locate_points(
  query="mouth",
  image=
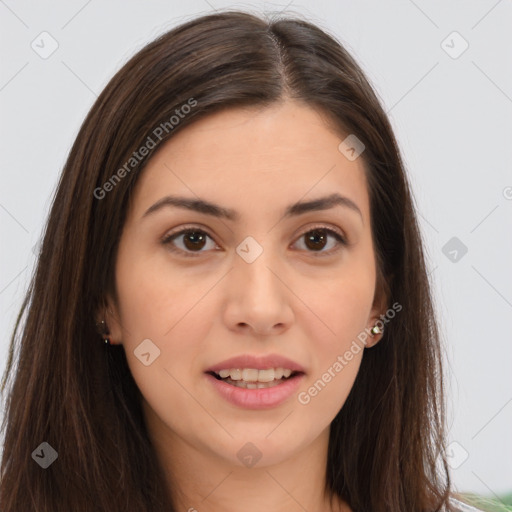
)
(252, 378)
(251, 381)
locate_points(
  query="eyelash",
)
(195, 229)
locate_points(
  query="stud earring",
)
(103, 330)
(376, 330)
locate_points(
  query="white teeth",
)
(253, 385)
(252, 375)
(266, 375)
(249, 374)
(235, 374)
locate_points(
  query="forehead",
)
(247, 158)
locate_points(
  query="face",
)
(248, 280)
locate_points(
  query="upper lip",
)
(257, 363)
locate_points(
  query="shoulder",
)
(459, 506)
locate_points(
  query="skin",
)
(202, 310)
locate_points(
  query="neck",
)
(202, 480)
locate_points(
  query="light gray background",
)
(452, 117)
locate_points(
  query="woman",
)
(231, 305)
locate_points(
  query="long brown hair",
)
(386, 446)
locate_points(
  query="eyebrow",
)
(207, 208)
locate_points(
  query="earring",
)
(103, 329)
(376, 330)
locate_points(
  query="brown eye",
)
(194, 240)
(317, 239)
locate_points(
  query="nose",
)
(258, 297)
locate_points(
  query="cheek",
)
(341, 309)
(165, 315)
(349, 310)
(156, 296)
(175, 315)
(336, 348)
(325, 392)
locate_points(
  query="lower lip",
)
(264, 398)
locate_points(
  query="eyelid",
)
(184, 229)
(188, 227)
(325, 227)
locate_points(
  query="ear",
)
(108, 312)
